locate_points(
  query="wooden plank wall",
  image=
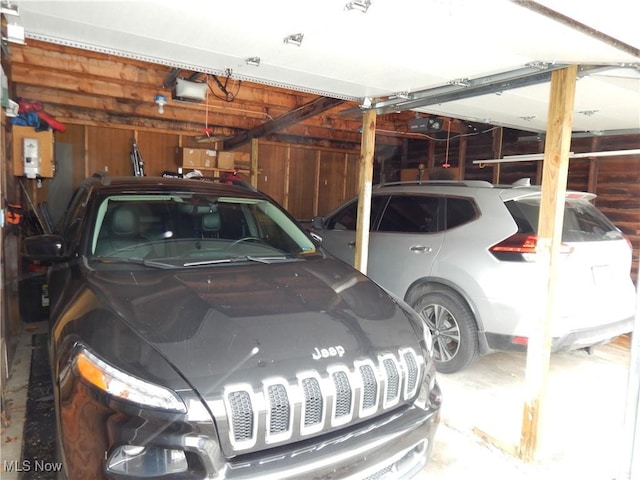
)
(311, 181)
(106, 101)
(306, 180)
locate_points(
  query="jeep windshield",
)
(189, 230)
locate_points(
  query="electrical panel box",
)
(32, 152)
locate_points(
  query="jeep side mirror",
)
(44, 248)
(317, 222)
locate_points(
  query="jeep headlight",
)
(140, 461)
(123, 385)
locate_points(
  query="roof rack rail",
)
(461, 183)
(238, 182)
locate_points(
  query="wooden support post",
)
(364, 188)
(253, 163)
(554, 185)
(497, 152)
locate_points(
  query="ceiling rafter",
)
(310, 109)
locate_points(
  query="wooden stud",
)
(253, 163)
(497, 152)
(287, 175)
(316, 194)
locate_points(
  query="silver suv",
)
(463, 255)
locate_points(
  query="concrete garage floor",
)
(581, 435)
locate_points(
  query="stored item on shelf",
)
(232, 160)
(196, 158)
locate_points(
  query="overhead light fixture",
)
(161, 101)
(9, 8)
(253, 61)
(294, 39)
(359, 5)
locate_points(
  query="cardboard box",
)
(196, 158)
(43, 144)
(226, 160)
(209, 159)
(233, 160)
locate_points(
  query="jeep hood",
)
(243, 323)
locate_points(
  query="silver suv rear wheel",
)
(453, 328)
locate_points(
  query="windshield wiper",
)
(243, 258)
(137, 261)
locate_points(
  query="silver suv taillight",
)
(521, 247)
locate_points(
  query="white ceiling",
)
(398, 46)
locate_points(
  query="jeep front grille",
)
(318, 401)
(242, 416)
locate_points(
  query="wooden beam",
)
(88, 87)
(497, 140)
(364, 188)
(554, 186)
(253, 163)
(311, 109)
(50, 64)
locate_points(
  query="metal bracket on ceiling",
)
(171, 78)
(531, 74)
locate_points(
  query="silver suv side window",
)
(347, 218)
(411, 214)
(460, 211)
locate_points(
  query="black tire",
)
(453, 328)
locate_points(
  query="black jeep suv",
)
(196, 331)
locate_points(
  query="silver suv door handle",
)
(420, 249)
